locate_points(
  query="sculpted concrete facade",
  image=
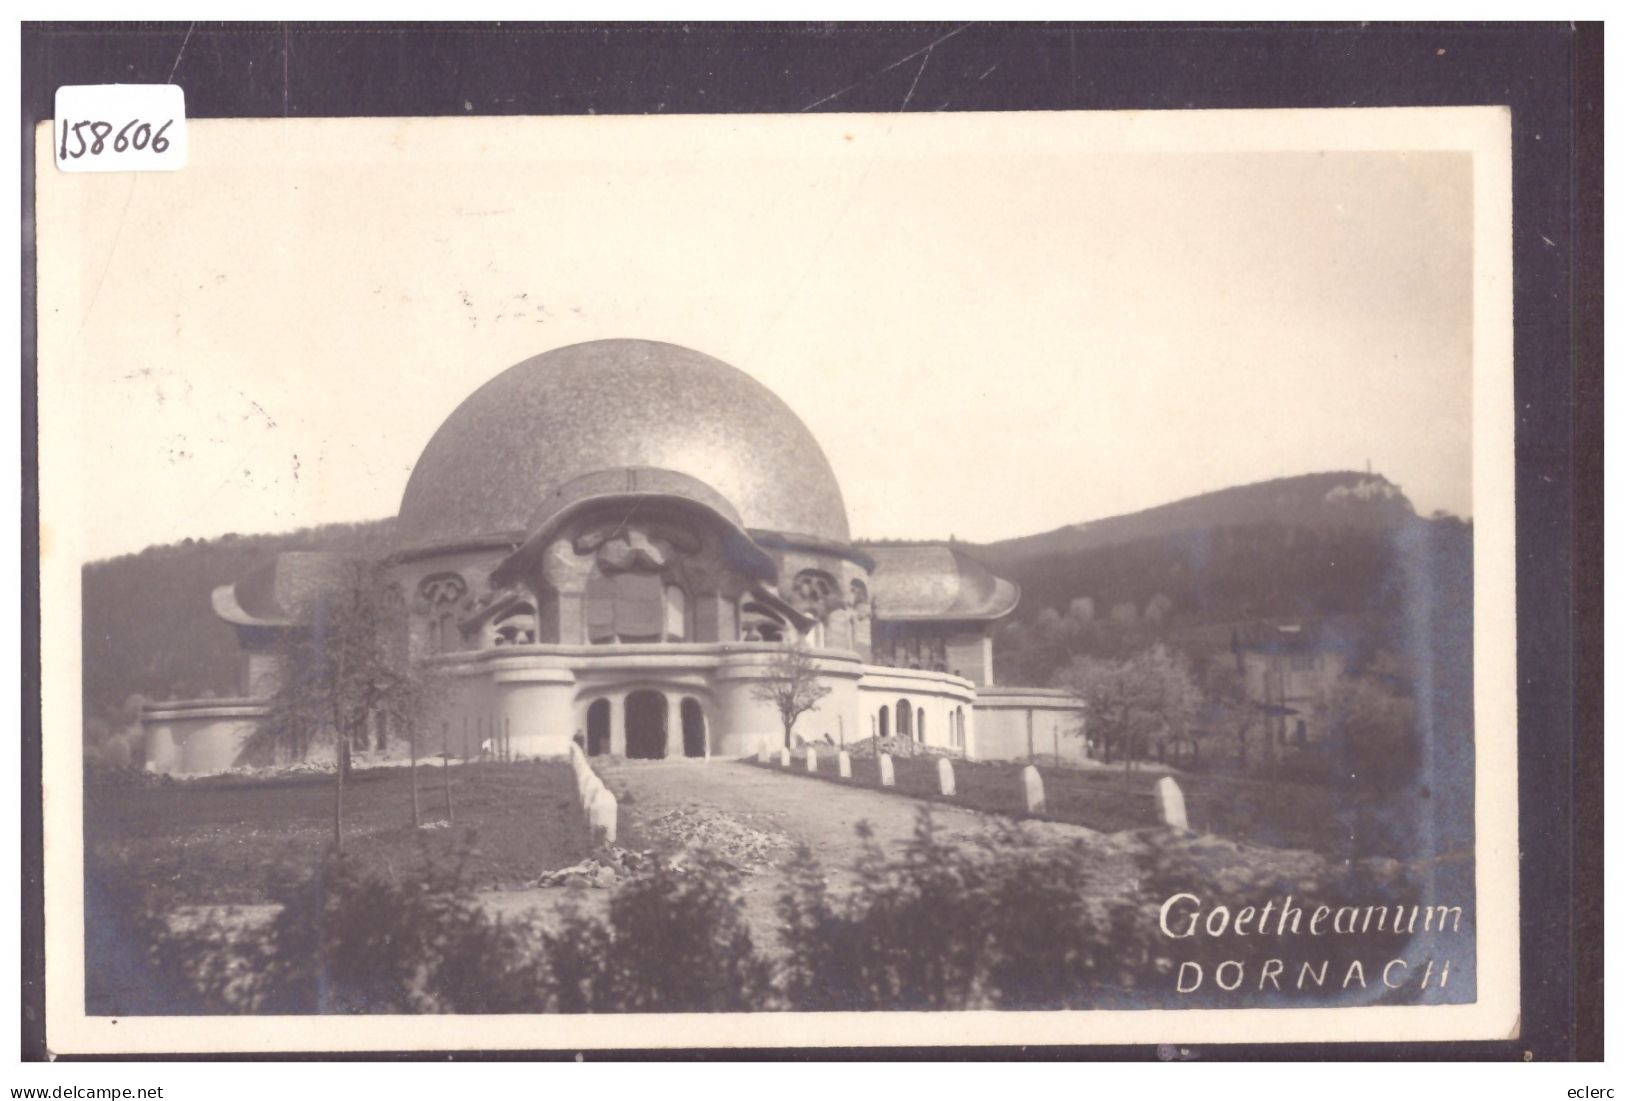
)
(609, 543)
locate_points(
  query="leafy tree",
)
(349, 667)
(1372, 729)
(1227, 707)
(1135, 702)
(791, 686)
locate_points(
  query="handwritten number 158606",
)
(135, 134)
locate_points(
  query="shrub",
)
(1008, 922)
(139, 960)
(1053, 945)
(942, 926)
(346, 941)
(676, 941)
(343, 941)
(908, 937)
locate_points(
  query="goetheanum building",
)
(610, 542)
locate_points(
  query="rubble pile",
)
(895, 747)
(290, 768)
(722, 835)
(603, 869)
(686, 829)
(130, 777)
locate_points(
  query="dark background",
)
(1550, 74)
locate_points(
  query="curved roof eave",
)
(1003, 600)
(227, 607)
(750, 558)
(938, 582)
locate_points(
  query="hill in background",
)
(150, 629)
(1333, 501)
(1342, 546)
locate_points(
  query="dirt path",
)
(769, 813)
(816, 813)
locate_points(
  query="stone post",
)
(591, 785)
(585, 777)
(1032, 790)
(784, 757)
(601, 815)
(761, 751)
(843, 765)
(888, 775)
(1171, 804)
(812, 759)
(945, 776)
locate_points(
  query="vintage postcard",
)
(772, 581)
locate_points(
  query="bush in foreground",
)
(1005, 923)
(676, 941)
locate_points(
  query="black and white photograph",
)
(1000, 577)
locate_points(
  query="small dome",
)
(617, 404)
(935, 581)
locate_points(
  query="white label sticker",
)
(120, 128)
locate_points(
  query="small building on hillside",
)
(609, 543)
(1287, 670)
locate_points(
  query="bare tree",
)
(347, 668)
(413, 713)
(791, 686)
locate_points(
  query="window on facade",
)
(625, 607)
(517, 627)
(598, 728)
(443, 593)
(905, 719)
(758, 623)
(1303, 663)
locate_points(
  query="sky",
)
(994, 325)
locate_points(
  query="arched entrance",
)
(598, 728)
(693, 728)
(646, 725)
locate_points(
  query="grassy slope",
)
(1329, 821)
(220, 840)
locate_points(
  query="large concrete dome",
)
(609, 404)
